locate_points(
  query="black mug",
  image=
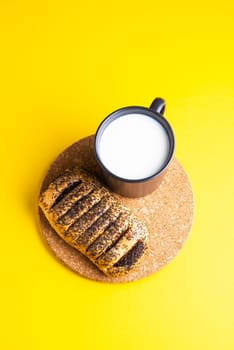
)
(118, 143)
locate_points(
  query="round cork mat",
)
(167, 212)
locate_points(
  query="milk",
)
(134, 146)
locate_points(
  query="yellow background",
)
(64, 66)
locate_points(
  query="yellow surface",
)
(64, 67)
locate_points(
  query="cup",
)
(134, 147)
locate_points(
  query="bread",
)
(89, 218)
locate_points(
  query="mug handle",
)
(158, 105)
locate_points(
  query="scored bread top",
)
(89, 218)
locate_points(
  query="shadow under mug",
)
(142, 186)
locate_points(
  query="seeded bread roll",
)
(89, 218)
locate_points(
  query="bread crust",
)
(88, 217)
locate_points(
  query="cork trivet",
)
(167, 212)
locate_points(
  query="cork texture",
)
(167, 212)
